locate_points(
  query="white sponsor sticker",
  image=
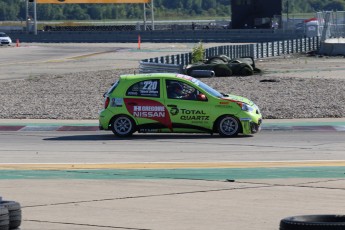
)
(116, 102)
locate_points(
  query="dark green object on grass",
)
(223, 66)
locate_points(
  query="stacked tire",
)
(10, 215)
(4, 218)
(313, 222)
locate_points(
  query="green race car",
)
(175, 103)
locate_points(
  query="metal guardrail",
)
(174, 63)
(152, 67)
(272, 49)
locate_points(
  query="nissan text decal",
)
(148, 111)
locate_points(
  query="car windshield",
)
(208, 89)
(3, 35)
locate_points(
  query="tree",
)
(15, 9)
(336, 5)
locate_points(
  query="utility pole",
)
(31, 16)
(152, 15)
(27, 15)
(287, 10)
(35, 17)
(144, 16)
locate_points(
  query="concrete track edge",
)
(314, 124)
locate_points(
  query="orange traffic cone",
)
(139, 41)
(17, 43)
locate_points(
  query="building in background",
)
(250, 14)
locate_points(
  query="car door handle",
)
(172, 106)
(132, 103)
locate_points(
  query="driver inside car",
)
(175, 90)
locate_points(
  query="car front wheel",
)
(228, 126)
(123, 126)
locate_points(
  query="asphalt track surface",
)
(90, 179)
(69, 175)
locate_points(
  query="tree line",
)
(12, 10)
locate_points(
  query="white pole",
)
(144, 16)
(35, 17)
(27, 16)
(152, 15)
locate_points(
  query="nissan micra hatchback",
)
(175, 103)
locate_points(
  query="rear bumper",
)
(103, 120)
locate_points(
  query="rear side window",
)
(147, 88)
(113, 87)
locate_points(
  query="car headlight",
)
(247, 108)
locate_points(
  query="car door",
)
(144, 102)
(188, 107)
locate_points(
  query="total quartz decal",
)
(198, 115)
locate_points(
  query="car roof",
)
(148, 75)
(157, 75)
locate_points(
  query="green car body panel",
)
(144, 99)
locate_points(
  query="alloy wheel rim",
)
(229, 126)
(123, 125)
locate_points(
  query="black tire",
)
(246, 71)
(198, 67)
(313, 222)
(14, 212)
(4, 218)
(217, 60)
(222, 70)
(123, 126)
(228, 126)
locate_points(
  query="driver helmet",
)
(175, 87)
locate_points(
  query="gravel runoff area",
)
(294, 86)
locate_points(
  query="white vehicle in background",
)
(5, 39)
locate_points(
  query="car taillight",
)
(106, 103)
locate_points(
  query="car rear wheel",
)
(123, 126)
(228, 126)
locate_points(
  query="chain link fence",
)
(331, 24)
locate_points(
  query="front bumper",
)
(5, 42)
(249, 126)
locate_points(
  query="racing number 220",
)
(150, 85)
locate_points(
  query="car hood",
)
(236, 98)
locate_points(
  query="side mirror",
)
(201, 97)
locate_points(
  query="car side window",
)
(180, 90)
(147, 88)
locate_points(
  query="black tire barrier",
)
(313, 222)
(246, 71)
(4, 218)
(14, 213)
(222, 70)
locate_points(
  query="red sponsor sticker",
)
(150, 109)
